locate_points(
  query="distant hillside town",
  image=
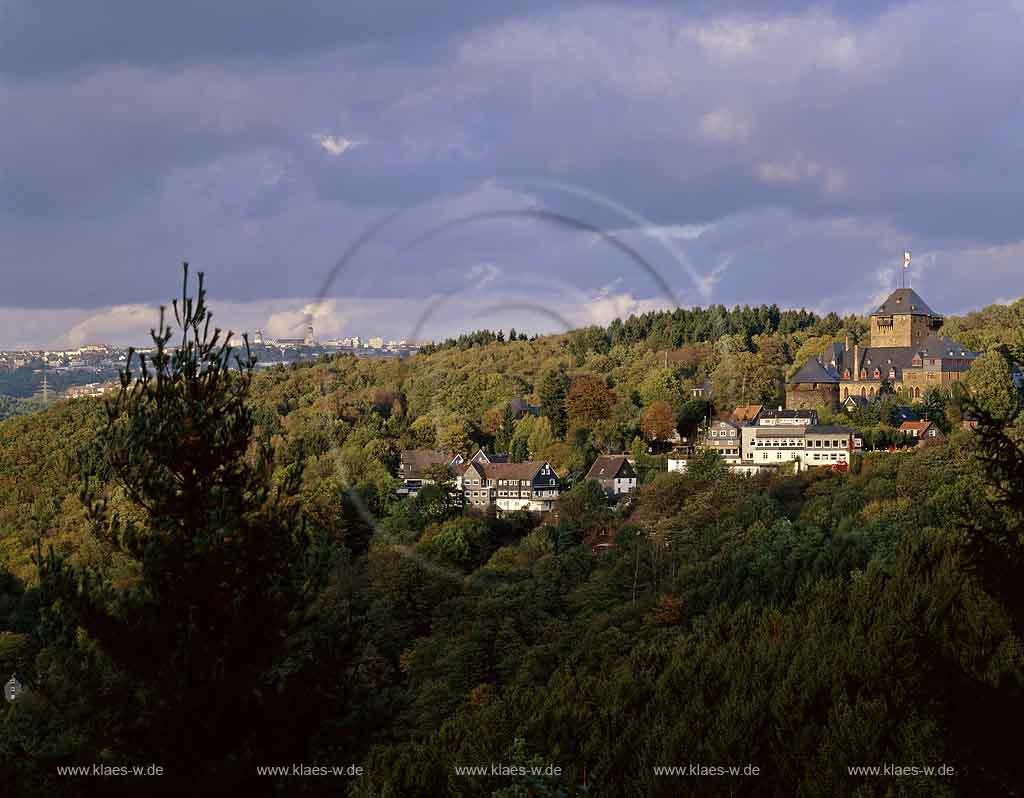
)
(901, 362)
(93, 369)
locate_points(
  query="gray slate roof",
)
(903, 301)
(609, 467)
(814, 371)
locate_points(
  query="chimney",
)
(856, 361)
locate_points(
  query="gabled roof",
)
(789, 412)
(526, 470)
(611, 466)
(415, 461)
(482, 456)
(746, 413)
(521, 407)
(941, 346)
(904, 301)
(915, 426)
(814, 371)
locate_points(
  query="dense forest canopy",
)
(239, 533)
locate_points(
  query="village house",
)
(723, 438)
(532, 485)
(924, 430)
(746, 414)
(615, 474)
(775, 423)
(520, 408)
(679, 458)
(808, 446)
(413, 465)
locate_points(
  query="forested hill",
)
(16, 406)
(265, 578)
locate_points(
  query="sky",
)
(414, 170)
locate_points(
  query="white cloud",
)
(483, 274)
(335, 145)
(831, 179)
(121, 323)
(724, 126)
(327, 320)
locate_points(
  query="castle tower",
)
(812, 387)
(904, 319)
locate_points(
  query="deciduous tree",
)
(658, 422)
(589, 400)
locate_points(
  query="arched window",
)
(846, 393)
(864, 393)
(872, 390)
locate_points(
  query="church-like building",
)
(904, 350)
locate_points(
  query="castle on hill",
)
(904, 351)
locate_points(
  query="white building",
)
(810, 446)
(614, 473)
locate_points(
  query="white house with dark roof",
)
(615, 474)
(532, 485)
(809, 446)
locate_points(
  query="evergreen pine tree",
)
(219, 560)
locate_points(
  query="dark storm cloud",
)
(810, 144)
(40, 37)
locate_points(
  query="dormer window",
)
(892, 374)
(863, 374)
(846, 374)
(878, 374)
